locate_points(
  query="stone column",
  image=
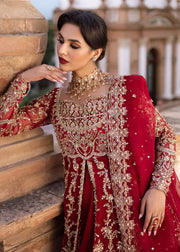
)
(81, 4)
(177, 75)
(23, 38)
(65, 4)
(124, 54)
(113, 3)
(143, 57)
(27, 161)
(168, 70)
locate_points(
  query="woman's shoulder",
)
(129, 80)
(134, 78)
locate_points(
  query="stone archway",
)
(151, 77)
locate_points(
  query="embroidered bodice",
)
(81, 128)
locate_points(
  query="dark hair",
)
(91, 25)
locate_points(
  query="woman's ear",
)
(97, 53)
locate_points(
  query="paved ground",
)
(172, 116)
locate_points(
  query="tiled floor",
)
(172, 116)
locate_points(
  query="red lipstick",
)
(62, 60)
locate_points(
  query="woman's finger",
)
(161, 219)
(53, 68)
(147, 220)
(55, 74)
(54, 79)
(142, 208)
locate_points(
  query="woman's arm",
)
(14, 120)
(153, 202)
(165, 154)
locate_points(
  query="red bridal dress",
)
(115, 147)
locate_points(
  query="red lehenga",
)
(115, 147)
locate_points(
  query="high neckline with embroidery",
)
(80, 86)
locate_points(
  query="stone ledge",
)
(31, 210)
(29, 175)
(27, 149)
(22, 44)
(21, 137)
(46, 237)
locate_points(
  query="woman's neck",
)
(86, 70)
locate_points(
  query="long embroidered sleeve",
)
(14, 120)
(165, 154)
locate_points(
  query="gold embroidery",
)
(108, 229)
(165, 158)
(77, 177)
(82, 128)
(117, 134)
(79, 86)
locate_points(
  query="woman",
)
(119, 195)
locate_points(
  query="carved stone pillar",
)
(168, 3)
(168, 69)
(124, 52)
(23, 38)
(143, 57)
(177, 73)
(28, 162)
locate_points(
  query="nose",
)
(62, 49)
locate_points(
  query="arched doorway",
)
(151, 73)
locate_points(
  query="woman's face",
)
(73, 52)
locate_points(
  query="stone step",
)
(19, 151)
(23, 177)
(21, 137)
(34, 222)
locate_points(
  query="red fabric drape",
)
(132, 154)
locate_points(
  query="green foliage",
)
(48, 58)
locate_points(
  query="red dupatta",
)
(131, 143)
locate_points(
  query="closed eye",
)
(60, 40)
(74, 46)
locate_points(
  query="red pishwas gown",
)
(105, 175)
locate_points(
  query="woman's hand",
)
(51, 73)
(153, 207)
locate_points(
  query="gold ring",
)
(50, 68)
(154, 221)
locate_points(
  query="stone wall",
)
(23, 38)
(31, 172)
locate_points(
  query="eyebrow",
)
(72, 40)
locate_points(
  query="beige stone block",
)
(22, 44)
(30, 221)
(20, 151)
(44, 237)
(17, 18)
(25, 10)
(12, 65)
(9, 26)
(47, 242)
(19, 26)
(23, 136)
(36, 26)
(30, 175)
